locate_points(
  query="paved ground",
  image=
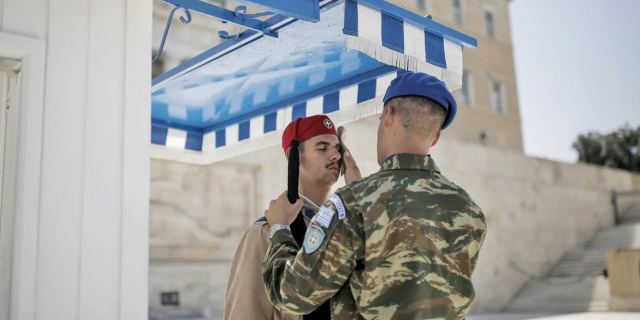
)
(502, 316)
(572, 316)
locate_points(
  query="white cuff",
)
(276, 227)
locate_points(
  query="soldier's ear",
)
(437, 138)
(390, 114)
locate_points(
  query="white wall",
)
(81, 232)
(8, 141)
(200, 211)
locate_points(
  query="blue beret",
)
(423, 85)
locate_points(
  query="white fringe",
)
(452, 79)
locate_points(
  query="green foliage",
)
(619, 149)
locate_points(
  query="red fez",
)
(303, 129)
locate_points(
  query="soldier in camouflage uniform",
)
(399, 244)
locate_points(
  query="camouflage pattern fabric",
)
(404, 248)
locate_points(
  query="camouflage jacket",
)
(399, 244)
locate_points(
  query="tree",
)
(619, 149)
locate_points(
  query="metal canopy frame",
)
(273, 23)
(236, 17)
(308, 10)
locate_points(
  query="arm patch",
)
(324, 216)
(313, 239)
(339, 204)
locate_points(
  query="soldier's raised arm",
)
(297, 281)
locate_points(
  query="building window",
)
(489, 24)
(497, 97)
(467, 88)
(483, 138)
(422, 5)
(457, 11)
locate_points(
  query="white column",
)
(83, 224)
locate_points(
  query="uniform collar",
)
(308, 209)
(408, 161)
(308, 213)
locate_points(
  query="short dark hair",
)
(419, 115)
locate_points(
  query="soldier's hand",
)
(351, 172)
(280, 211)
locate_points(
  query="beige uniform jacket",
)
(246, 298)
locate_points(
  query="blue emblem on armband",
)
(313, 239)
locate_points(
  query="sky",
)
(577, 70)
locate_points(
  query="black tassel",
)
(292, 175)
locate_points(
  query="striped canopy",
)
(238, 96)
(403, 39)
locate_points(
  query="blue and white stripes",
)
(340, 105)
(241, 102)
(402, 39)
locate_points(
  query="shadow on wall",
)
(198, 214)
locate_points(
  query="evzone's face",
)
(319, 160)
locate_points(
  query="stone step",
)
(576, 283)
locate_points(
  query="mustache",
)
(333, 165)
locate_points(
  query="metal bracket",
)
(241, 13)
(184, 19)
(238, 17)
